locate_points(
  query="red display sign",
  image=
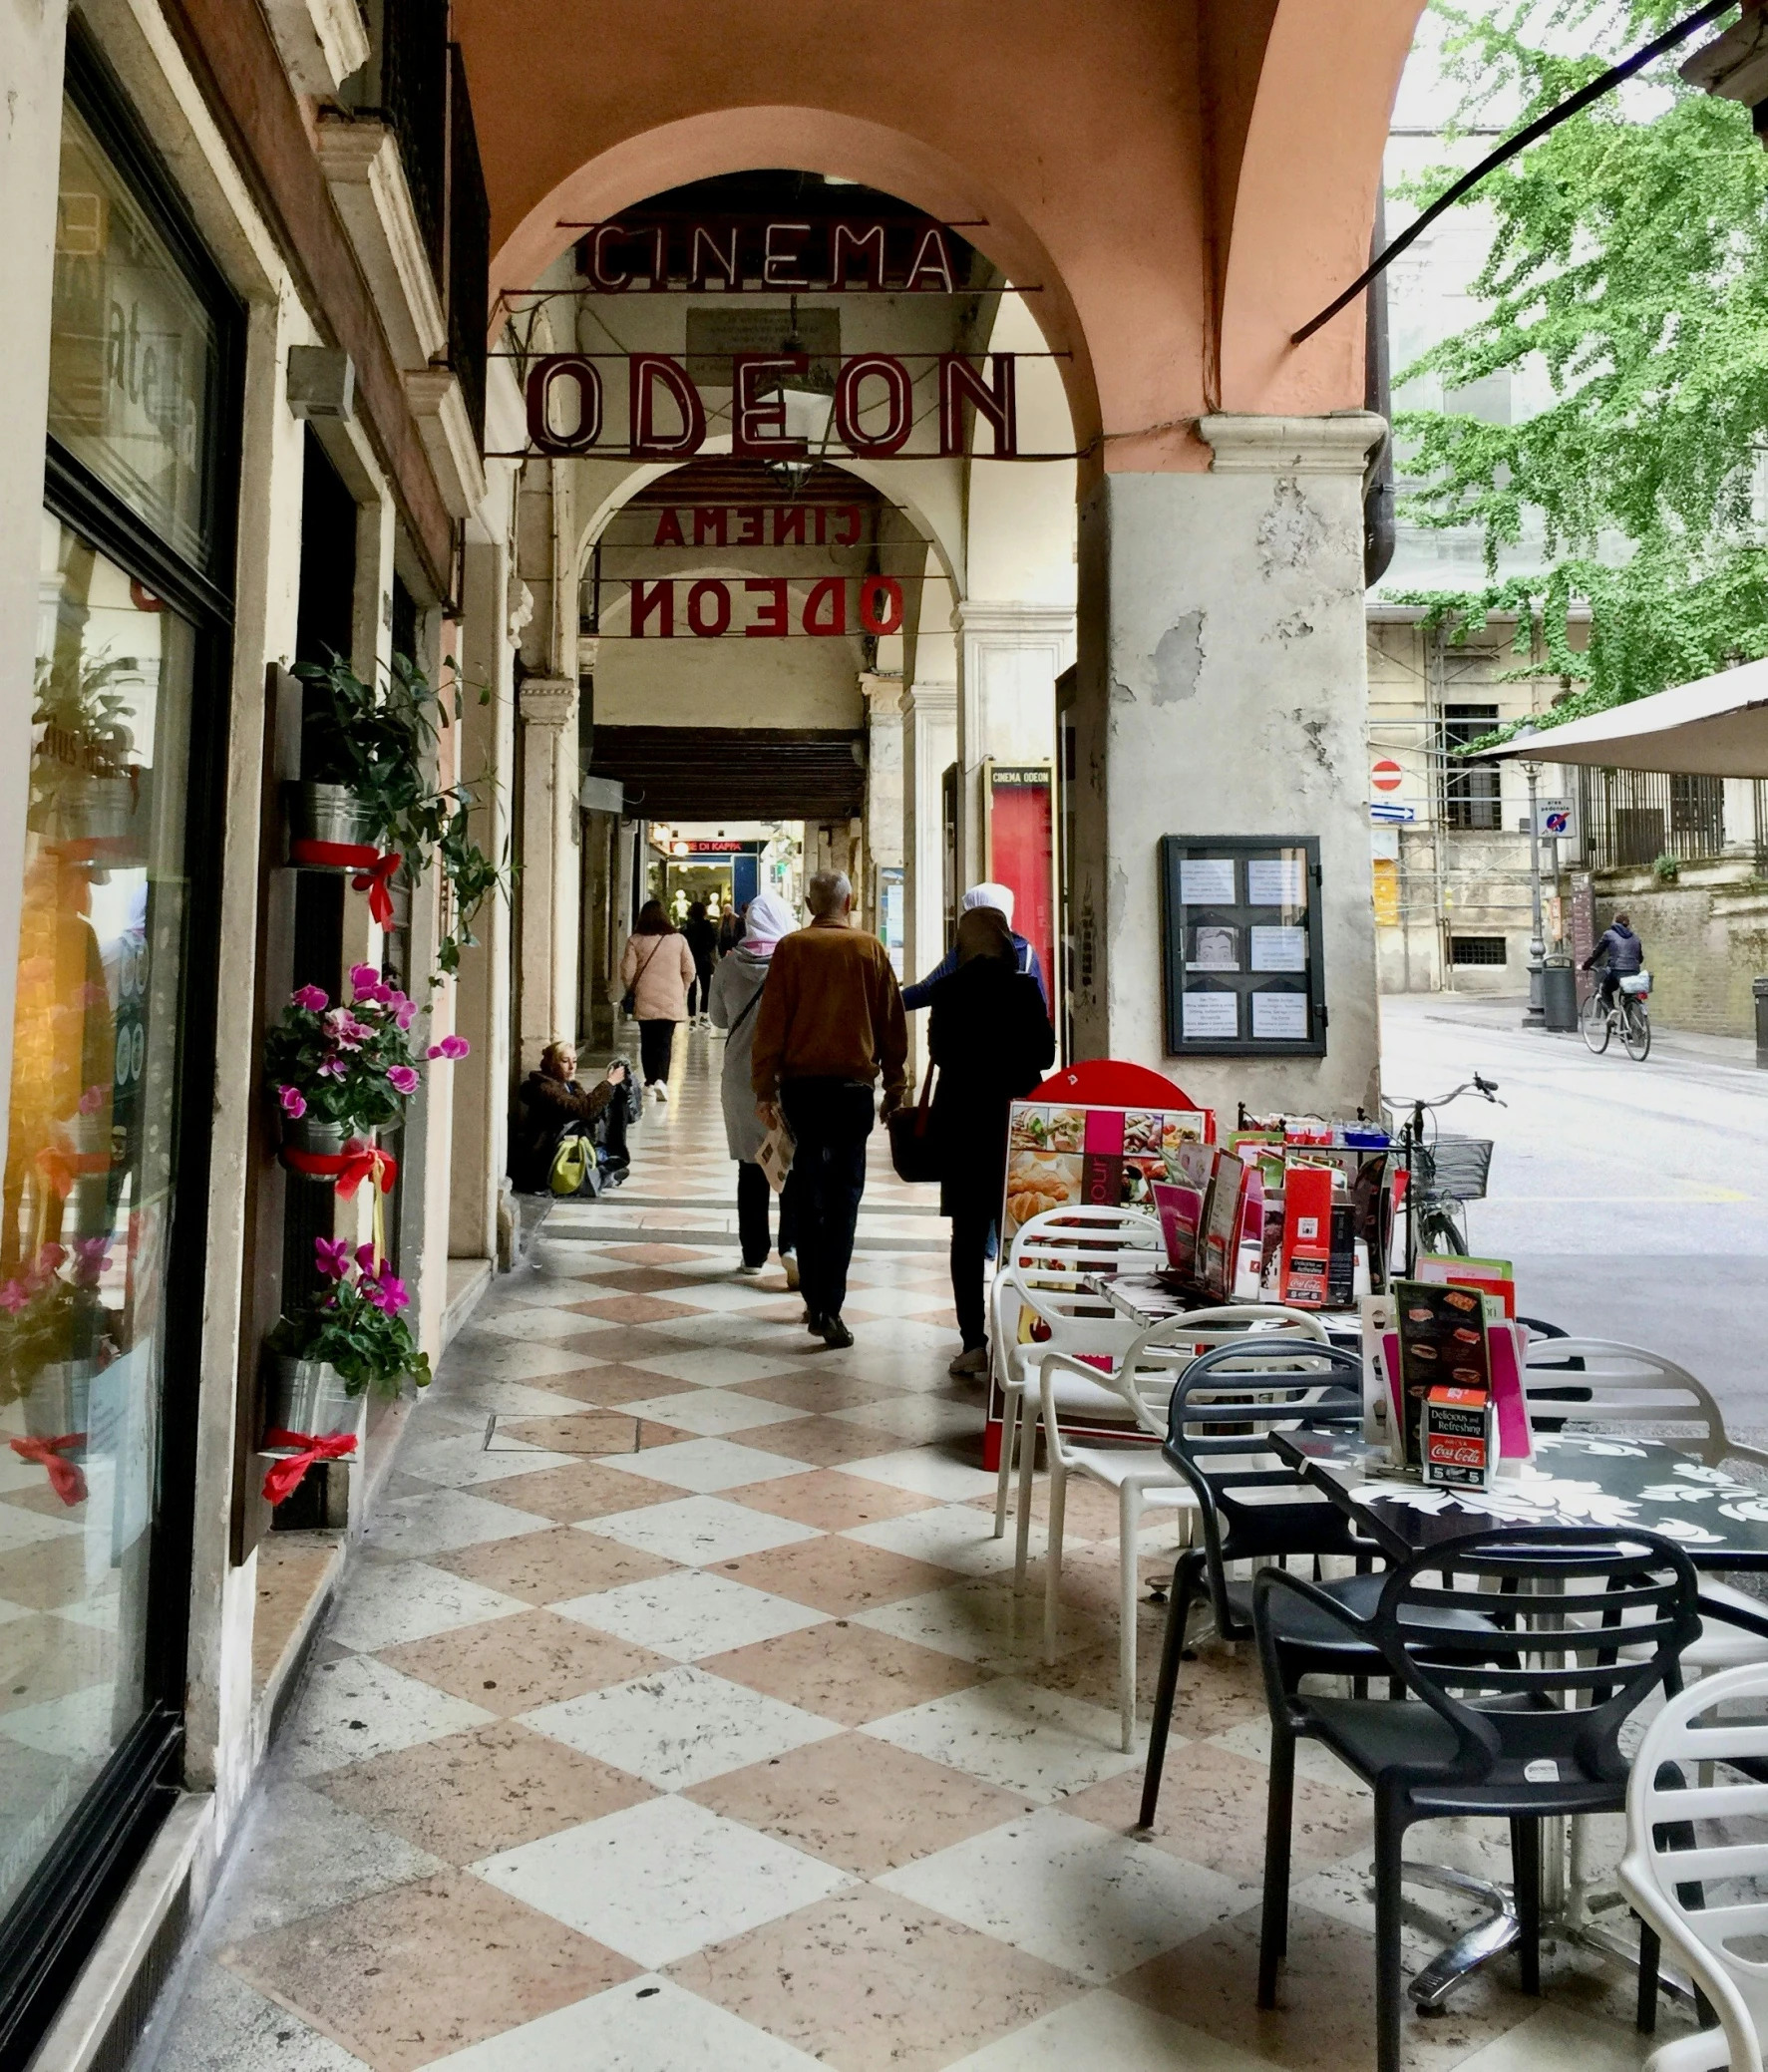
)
(902, 255)
(772, 608)
(1021, 854)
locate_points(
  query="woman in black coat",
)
(991, 1039)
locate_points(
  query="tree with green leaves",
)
(1630, 260)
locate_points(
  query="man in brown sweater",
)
(829, 1022)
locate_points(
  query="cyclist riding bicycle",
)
(1621, 953)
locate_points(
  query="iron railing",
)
(1630, 817)
(469, 247)
(414, 100)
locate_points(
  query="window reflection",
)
(87, 1183)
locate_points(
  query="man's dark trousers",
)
(830, 1120)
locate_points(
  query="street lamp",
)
(1535, 1018)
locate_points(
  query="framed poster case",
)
(1240, 936)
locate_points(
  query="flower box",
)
(330, 813)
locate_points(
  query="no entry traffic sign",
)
(1385, 775)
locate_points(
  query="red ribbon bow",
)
(285, 1475)
(371, 869)
(348, 1168)
(60, 1168)
(65, 1477)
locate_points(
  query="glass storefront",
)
(105, 1158)
(88, 1183)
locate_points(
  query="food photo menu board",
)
(1241, 934)
(1069, 1156)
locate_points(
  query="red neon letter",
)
(932, 257)
(847, 533)
(789, 525)
(594, 245)
(771, 625)
(709, 525)
(748, 517)
(867, 245)
(900, 394)
(709, 629)
(644, 371)
(658, 597)
(572, 368)
(881, 605)
(774, 258)
(669, 531)
(833, 592)
(959, 383)
(759, 427)
(700, 272)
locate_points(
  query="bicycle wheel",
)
(1595, 1024)
(1439, 1231)
(1635, 1030)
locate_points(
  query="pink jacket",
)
(659, 969)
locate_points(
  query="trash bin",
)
(1760, 987)
(1559, 995)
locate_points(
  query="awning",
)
(1718, 726)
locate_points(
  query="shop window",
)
(102, 1233)
(1478, 949)
(1470, 789)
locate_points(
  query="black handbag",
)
(629, 998)
(914, 1152)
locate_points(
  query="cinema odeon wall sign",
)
(565, 407)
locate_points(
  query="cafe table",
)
(1574, 1478)
(1155, 1297)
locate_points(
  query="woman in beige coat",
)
(656, 967)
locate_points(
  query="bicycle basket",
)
(1456, 1168)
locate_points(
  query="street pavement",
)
(1631, 1199)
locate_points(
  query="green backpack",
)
(572, 1164)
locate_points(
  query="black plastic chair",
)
(1255, 1509)
(1521, 1720)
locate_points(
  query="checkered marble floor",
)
(678, 1713)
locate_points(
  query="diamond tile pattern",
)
(738, 1751)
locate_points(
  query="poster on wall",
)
(1241, 942)
(1020, 854)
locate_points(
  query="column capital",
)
(547, 701)
(931, 699)
(1009, 619)
(1336, 444)
(882, 694)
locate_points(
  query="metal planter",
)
(329, 812)
(59, 1402)
(318, 1138)
(86, 809)
(309, 1397)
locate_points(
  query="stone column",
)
(550, 890)
(1009, 656)
(482, 992)
(884, 789)
(1223, 690)
(930, 746)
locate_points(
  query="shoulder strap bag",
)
(629, 998)
(914, 1152)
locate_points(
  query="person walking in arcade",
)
(657, 968)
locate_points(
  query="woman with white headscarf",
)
(736, 993)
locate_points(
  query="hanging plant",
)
(51, 1315)
(353, 1323)
(82, 785)
(352, 1066)
(377, 746)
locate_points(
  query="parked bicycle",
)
(1624, 1014)
(1443, 1174)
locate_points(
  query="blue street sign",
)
(1391, 813)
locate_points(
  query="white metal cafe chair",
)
(1135, 1395)
(1705, 1893)
(1040, 1303)
(1604, 1383)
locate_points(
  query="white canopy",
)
(1718, 726)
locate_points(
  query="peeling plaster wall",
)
(1222, 691)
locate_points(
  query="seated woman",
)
(553, 1101)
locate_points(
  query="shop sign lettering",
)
(772, 608)
(906, 258)
(872, 410)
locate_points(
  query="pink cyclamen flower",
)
(405, 1016)
(92, 1100)
(90, 1261)
(364, 978)
(311, 998)
(402, 1079)
(365, 1257)
(333, 1068)
(50, 1257)
(295, 1102)
(388, 1293)
(14, 1296)
(450, 1047)
(332, 1256)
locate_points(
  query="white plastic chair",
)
(1134, 1394)
(1043, 1272)
(1655, 1876)
(1618, 1385)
